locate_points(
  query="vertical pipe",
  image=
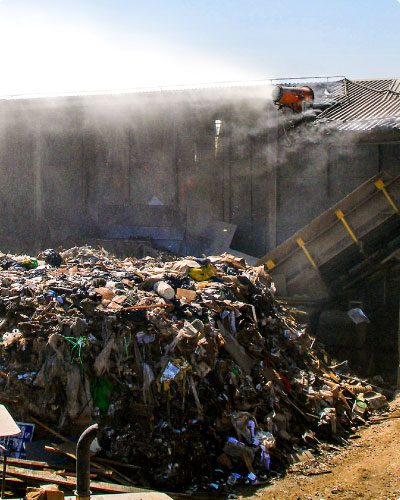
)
(83, 462)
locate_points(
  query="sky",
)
(64, 46)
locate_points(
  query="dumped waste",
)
(197, 375)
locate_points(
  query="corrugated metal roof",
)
(371, 124)
(364, 105)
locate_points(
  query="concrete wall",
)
(147, 165)
(315, 176)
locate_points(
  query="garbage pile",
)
(195, 372)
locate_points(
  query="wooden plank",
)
(67, 481)
(54, 448)
(62, 472)
(30, 463)
(49, 429)
(116, 462)
(66, 449)
(145, 306)
(236, 350)
(71, 448)
(99, 470)
(15, 480)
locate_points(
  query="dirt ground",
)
(369, 469)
